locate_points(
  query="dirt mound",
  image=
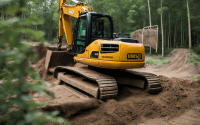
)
(178, 59)
(41, 50)
(72, 108)
(138, 35)
(134, 106)
(45, 75)
(57, 59)
(177, 67)
(178, 63)
(150, 37)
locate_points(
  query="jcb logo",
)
(71, 11)
(134, 56)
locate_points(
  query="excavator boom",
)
(65, 13)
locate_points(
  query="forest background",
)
(128, 16)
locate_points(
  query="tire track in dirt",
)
(177, 67)
(178, 59)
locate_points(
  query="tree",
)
(162, 31)
(128, 16)
(149, 18)
(189, 28)
(169, 36)
(160, 10)
(14, 68)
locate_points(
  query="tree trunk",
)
(165, 36)
(25, 26)
(23, 17)
(144, 24)
(119, 18)
(175, 34)
(162, 32)
(170, 40)
(119, 25)
(169, 32)
(181, 32)
(2, 14)
(189, 30)
(149, 12)
(149, 18)
(197, 38)
(183, 38)
(194, 38)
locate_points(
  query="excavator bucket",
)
(58, 58)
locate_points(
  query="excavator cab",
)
(91, 26)
(93, 44)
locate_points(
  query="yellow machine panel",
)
(94, 46)
(132, 52)
(113, 55)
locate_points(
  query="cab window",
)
(82, 28)
(81, 35)
(101, 27)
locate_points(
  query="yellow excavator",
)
(92, 44)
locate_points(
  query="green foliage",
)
(164, 8)
(194, 78)
(194, 58)
(196, 49)
(168, 50)
(128, 16)
(153, 51)
(158, 62)
(132, 33)
(15, 105)
(54, 40)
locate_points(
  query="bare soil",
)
(177, 67)
(177, 104)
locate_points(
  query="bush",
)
(158, 62)
(16, 107)
(194, 58)
(196, 49)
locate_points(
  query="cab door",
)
(80, 37)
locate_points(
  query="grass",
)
(194, 78)
(194, 58)
(159, 62)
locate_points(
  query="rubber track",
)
(107, 85)
(153, 81)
